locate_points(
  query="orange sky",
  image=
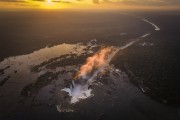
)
(78, 4)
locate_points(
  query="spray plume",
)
(87, 73)
(95, 62)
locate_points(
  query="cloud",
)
(13, 0)
(23, 0)
(134, 3)
(130, 2)
(150, 2)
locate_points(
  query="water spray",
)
(87, 73)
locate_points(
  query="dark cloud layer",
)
(152, 2)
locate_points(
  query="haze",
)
(89, 4)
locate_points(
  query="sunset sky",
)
(60, 4)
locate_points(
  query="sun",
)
(49, 4)
(49, 1)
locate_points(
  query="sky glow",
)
(61, 4)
